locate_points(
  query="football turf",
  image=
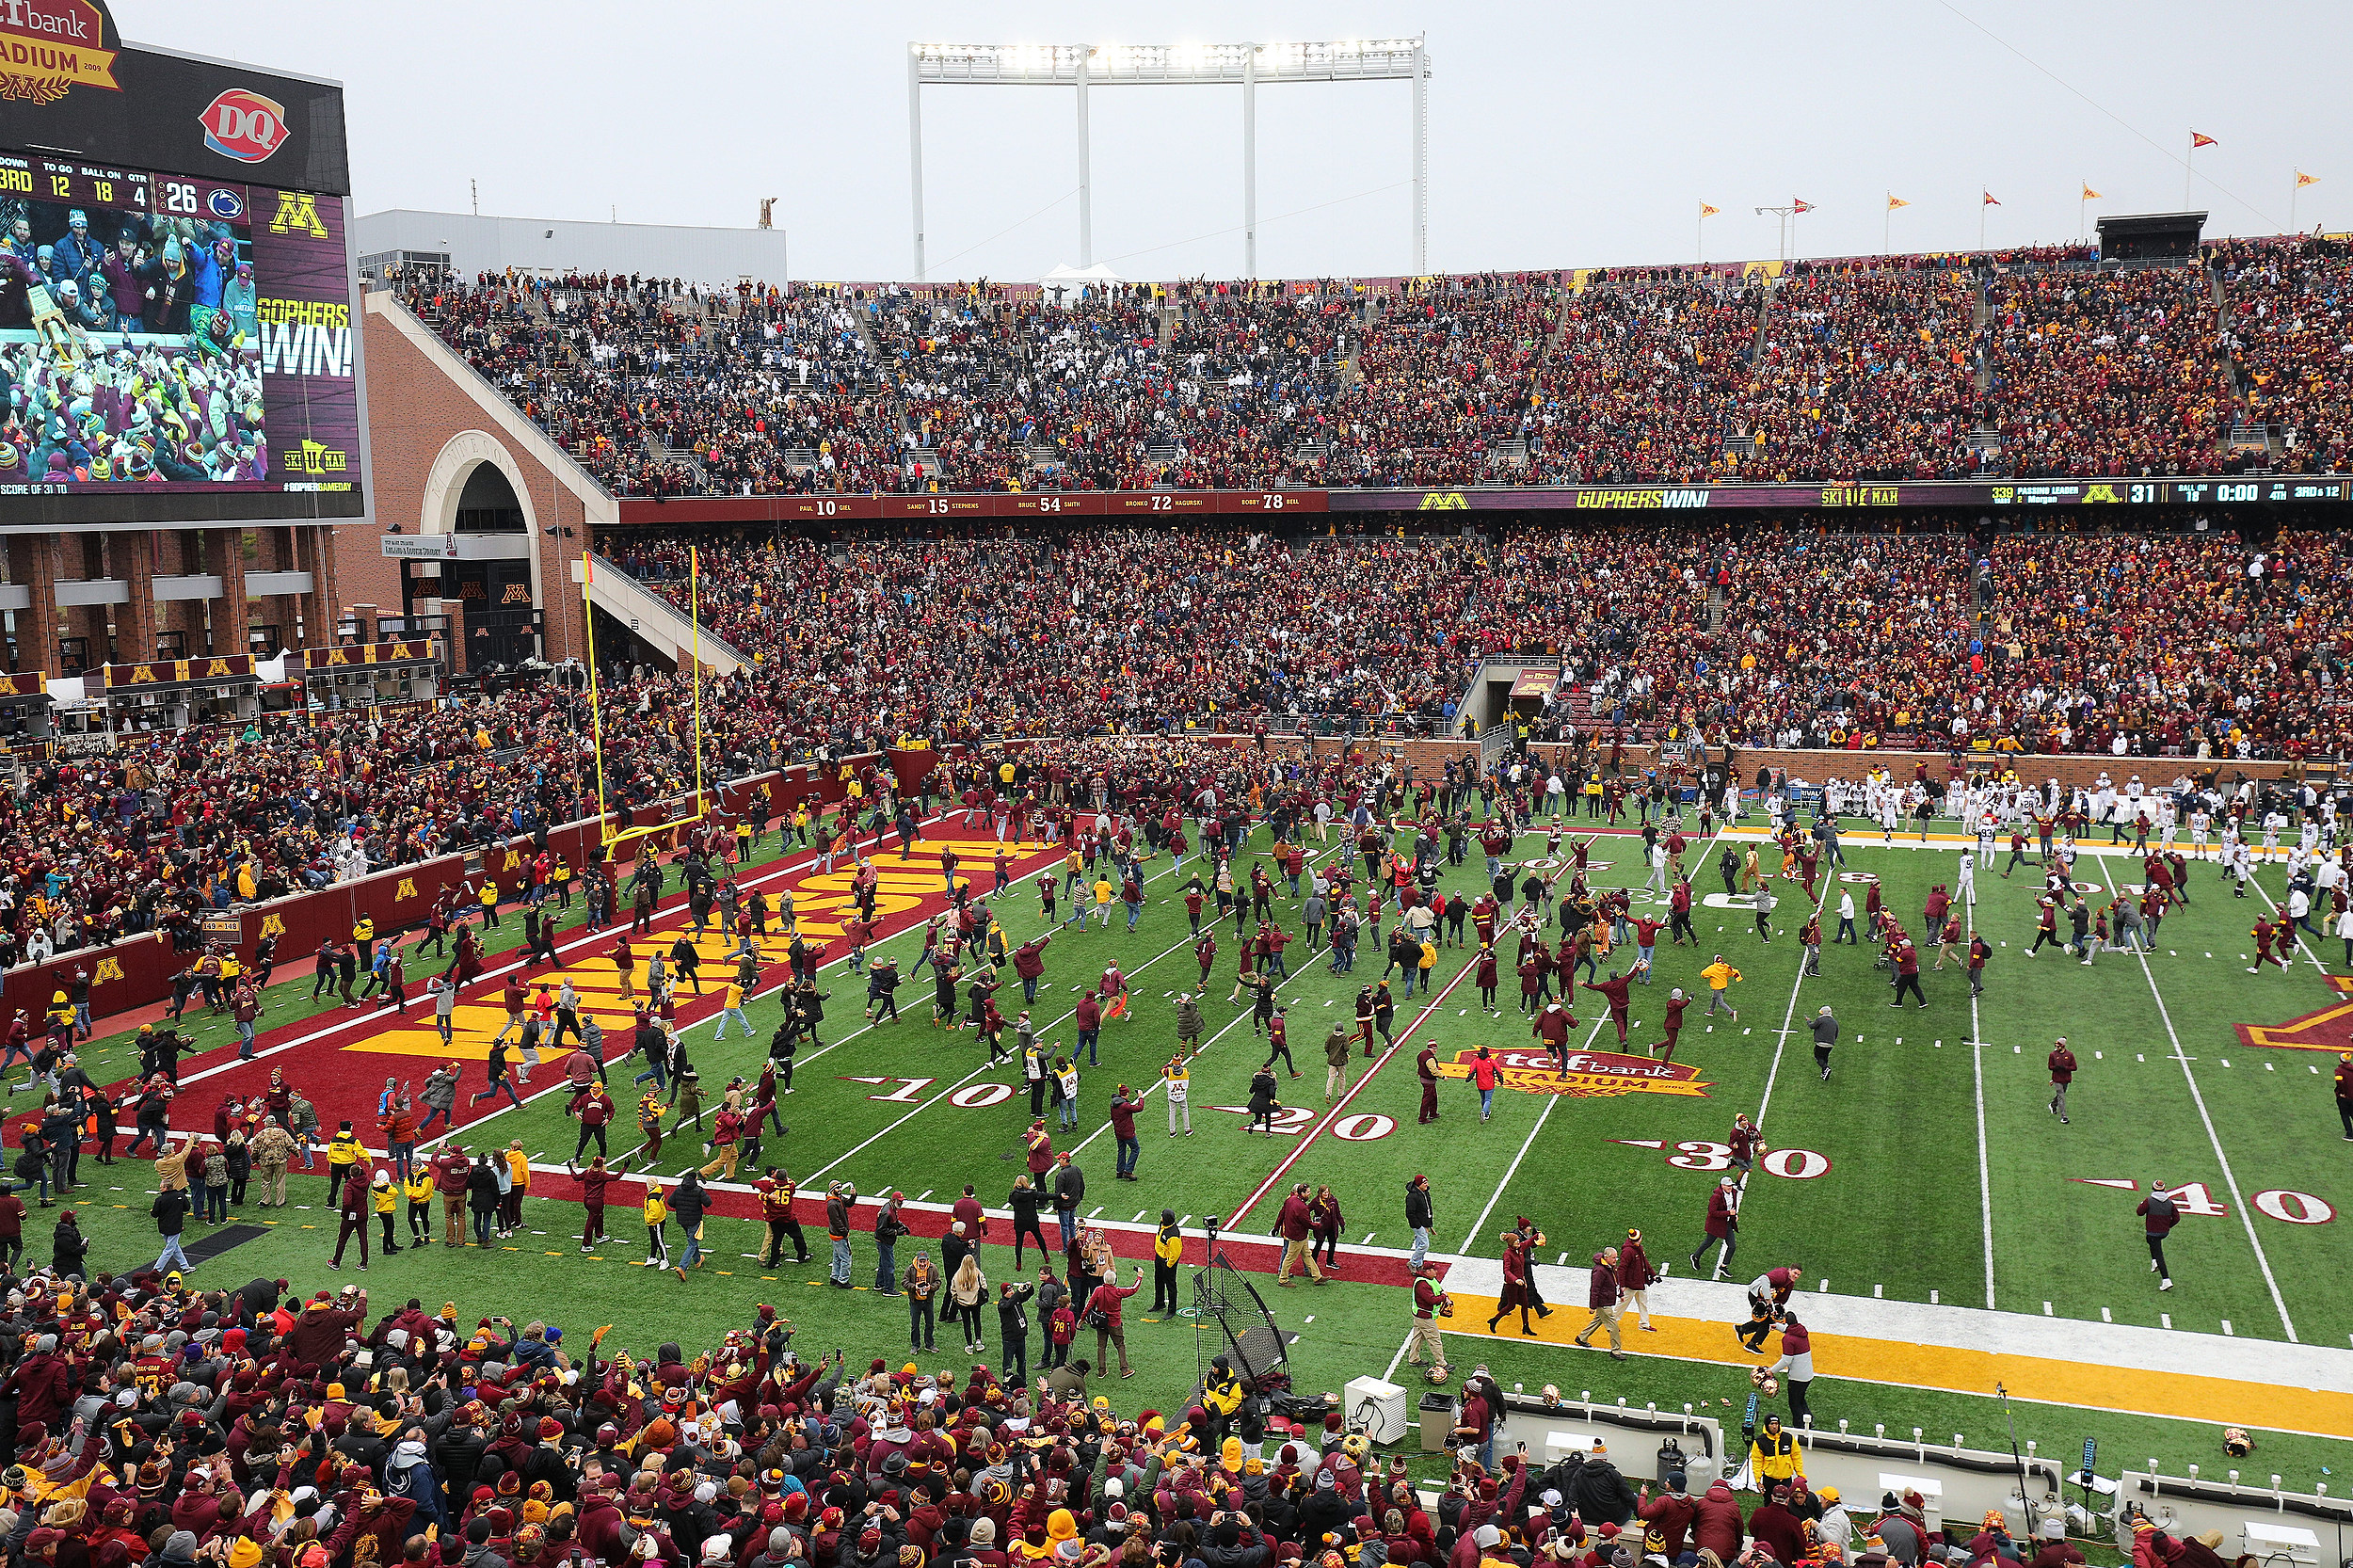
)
(1927, 1168)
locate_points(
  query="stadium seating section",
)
(2028, 364)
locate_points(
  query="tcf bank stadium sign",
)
(50, 47)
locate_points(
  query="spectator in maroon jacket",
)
(1102, 1315)
(1716, 1524)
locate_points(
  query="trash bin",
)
(1437, 1420)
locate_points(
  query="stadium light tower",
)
(1085, 66)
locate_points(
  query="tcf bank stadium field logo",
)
(243, 125)
(50, 47)
(1591, 1075)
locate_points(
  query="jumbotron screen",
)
(178, 332)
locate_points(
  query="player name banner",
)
(1146, 505)
(403, 651)
(1591, 1075)
(179, 672)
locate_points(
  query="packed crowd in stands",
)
(2288, 329)
(2024, 363)
(1789, 637)
(152, 1421)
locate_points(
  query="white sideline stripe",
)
(1977, 1062)
(2246, 1219)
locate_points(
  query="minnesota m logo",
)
(297, 210)
(109, 969)
(407, 889)
(271, 926)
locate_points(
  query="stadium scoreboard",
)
(179, 331)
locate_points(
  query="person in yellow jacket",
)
(657, 1216)
(344, 1151)
(1775, 1457)
(1168, 1250)
(419, 1192)
(518, 1185)
(363, 938)
(1720, 976)
(387, 1193)
(488, 899)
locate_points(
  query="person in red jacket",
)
(1029, 964)
(593, 1182)
(1668, 1515)
(1552, 1027)
(1295, 1224)
(1679, 915)
(1716, 1522)
(1676, 1003)
(1636, 1276)
(1514, 1297)
(1123, 1110)
(592, 1107)
(2062, 1064)
(1487, 978)
(1602, 1296)
(1426, 1073)
(1723, 1224)
(1102, 1315)
(1535, 980)
(1615, 989)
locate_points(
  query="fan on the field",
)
(1766, 1383)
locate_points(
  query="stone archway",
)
(456, 469)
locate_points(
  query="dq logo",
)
(1591, 1075)
(245, 126)
(297, 210)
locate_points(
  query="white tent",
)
(1065, 280)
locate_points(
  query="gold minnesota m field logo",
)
(1591, 1075)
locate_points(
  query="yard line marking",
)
(2229, 1177)
(1976, 1063)
(1097, 1213)
(1236, 1022)
(1541, 1116)
(1183, 944)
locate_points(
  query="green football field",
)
(1927, 1169)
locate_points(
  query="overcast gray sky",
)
(1558, 135)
